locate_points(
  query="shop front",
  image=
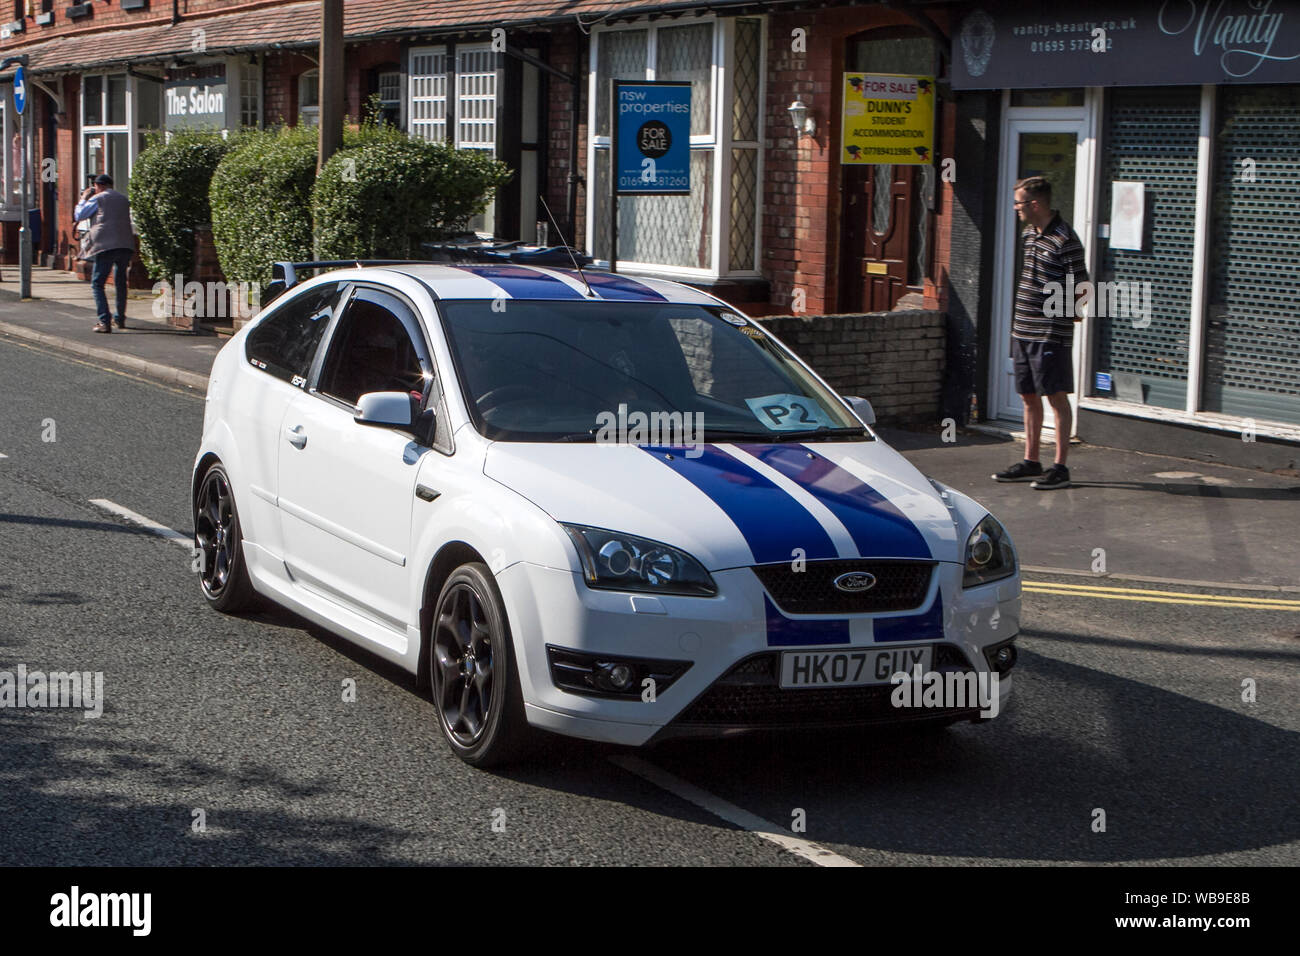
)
(1169, 133)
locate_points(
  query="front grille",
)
(900, 586)
(749, 695)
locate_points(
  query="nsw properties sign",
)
(888, 119)
(652, 138)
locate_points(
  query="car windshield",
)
(633, 371)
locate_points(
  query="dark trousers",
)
(115, 261)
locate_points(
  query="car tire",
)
(472, 672)
(219, 542)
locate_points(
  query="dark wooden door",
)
(876, 228)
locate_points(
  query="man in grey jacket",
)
(112, 243)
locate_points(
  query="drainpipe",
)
(176, 12)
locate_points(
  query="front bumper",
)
(719, 638)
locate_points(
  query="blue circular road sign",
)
(20, 90)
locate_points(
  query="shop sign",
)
(1005, 45)
(195, 103)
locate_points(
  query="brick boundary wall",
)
(896, 360)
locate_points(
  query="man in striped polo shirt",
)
(1042, 332)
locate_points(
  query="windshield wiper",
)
(824, 432)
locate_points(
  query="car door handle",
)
(425, 493)
(297, 436)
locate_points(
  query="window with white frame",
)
(118, 111)
(388, 86)
(475, 106)
(309, 98)
(470, 120)
(250, 94)
(427, 112)
(714, 230)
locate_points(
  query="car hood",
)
(736, 505)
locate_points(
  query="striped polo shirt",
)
(1049, 256)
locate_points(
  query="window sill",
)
(1210, 421)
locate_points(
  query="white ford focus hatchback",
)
(608, 507)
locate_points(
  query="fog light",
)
(621, 676)
(1001, 657)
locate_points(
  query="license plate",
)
(851, 667)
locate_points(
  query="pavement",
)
(61, 314)
(1131, 516)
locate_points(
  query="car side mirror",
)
(862, 408)
(385, 409)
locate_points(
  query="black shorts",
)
(1042, 368)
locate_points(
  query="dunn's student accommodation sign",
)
(1023, 45)
(887, 119)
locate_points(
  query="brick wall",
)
(896, 360)
(802, 181)
(567, 53)
(108, 15)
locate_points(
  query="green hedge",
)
(261, 201)
(169, 198)
(383, 196)
(378, 197)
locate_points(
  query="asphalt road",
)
(1124, 703)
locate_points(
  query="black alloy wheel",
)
(472, 673)
(219, 544)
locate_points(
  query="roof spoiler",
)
(284, 275)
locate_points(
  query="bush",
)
(261, 201)
(385, 193)
(169, 198)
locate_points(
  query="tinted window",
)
(373, 351)
(284, 342)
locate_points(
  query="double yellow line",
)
(1160, 597)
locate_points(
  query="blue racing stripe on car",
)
(522, 283)
(878, 528)
(609, 286)
(772, 523)
(782, 630)
(911, 627)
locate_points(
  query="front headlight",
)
(624, 562)
(989, 554)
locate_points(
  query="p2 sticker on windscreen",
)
(788, 413)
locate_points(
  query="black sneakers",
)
(1021, 471)
(1058, 476)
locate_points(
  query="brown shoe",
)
(101, 328)
(120, 323)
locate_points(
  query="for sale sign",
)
(888, 119)
(652, 138)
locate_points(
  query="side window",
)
(374, 351)
(284, 342)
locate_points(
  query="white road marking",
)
(175, 537)
(733, 814)
(3, 455)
